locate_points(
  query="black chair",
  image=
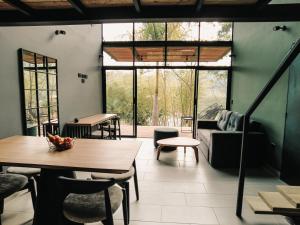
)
(102, 131)
(52, 128)
(32, 176)
(89, 201)
(122, 180)
(115, 129)
(9, 184)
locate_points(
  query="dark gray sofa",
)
(221, 141)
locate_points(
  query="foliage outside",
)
(165, 95)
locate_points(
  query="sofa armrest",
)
(207, 124)
(225, 148)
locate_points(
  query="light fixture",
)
(282, 28)
(58, 32)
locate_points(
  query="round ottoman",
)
(163, 133)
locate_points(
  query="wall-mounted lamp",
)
(58, 32)
(83, 77)
(278, 28)
(232, 55)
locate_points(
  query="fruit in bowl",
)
(60, 143)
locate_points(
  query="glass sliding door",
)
(164, 96)
(120, 98)
(212, 93)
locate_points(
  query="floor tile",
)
(198, 215)
(142, 212)
(17, 218)
(226, 216)
(211, 200)
(160, 198)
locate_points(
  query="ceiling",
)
(63, 4)
(50, 12)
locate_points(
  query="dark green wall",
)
(259, 50)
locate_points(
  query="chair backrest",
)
(80, 186)
(52, 128)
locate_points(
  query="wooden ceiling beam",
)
(20, 6)
(199, 5)
(78, 5)
(269, 13)
(137, 5)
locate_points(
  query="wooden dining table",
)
(86, 155)
(84, 126)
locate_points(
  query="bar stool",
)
(116, 128)
(103, 131)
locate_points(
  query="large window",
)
(39, 82)
(166, 74)
(172, 44)
(212, 93)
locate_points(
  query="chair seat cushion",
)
(117, 177)
(11, 183)
(26, 171)
(90, 208)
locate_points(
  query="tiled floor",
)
(175, 190)
(147, 131)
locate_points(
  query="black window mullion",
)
(133, 44)
(37, 95)
(135, 102)
(165, 45)
(57, 101)
(195, 108)
(104, 108)
(47, 79)
(228, 94)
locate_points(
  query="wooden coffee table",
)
(179, 142)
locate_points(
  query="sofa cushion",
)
(223, 120)
(235, 122)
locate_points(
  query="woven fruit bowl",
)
(57, 143)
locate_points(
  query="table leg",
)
(196, 153)
(184, 150)
(158, 151)
(48, 208)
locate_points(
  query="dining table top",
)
(110, 156)
(93, 120)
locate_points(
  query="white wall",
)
(77, 51)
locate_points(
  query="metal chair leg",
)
(136, 185)
(125, 205)
(1, 209)
(119, 129)
(31, 189)
(126, 186)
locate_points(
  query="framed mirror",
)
(39, 93)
